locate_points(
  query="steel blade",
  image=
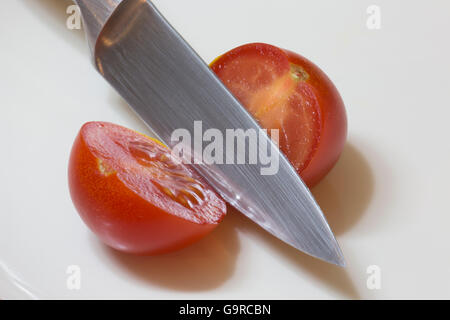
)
(170, 86)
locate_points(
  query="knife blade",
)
(170, 87)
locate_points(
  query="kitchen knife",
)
(170, 87)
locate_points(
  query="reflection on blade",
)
(170, 87)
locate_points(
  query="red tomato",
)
(285, 91)
(135, 195)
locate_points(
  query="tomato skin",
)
(333, 133)
(331, 130)
(121, 218)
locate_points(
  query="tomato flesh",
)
(135, 195)
(284, 91)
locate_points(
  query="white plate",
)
(387, 199)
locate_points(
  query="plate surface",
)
(386, 200)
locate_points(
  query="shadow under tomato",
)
(343, 195)
(202, 266)
(346, 191)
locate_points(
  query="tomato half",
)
(135, 195)
(285, 91)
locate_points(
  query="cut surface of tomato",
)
(135, 195)
(285, 91)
